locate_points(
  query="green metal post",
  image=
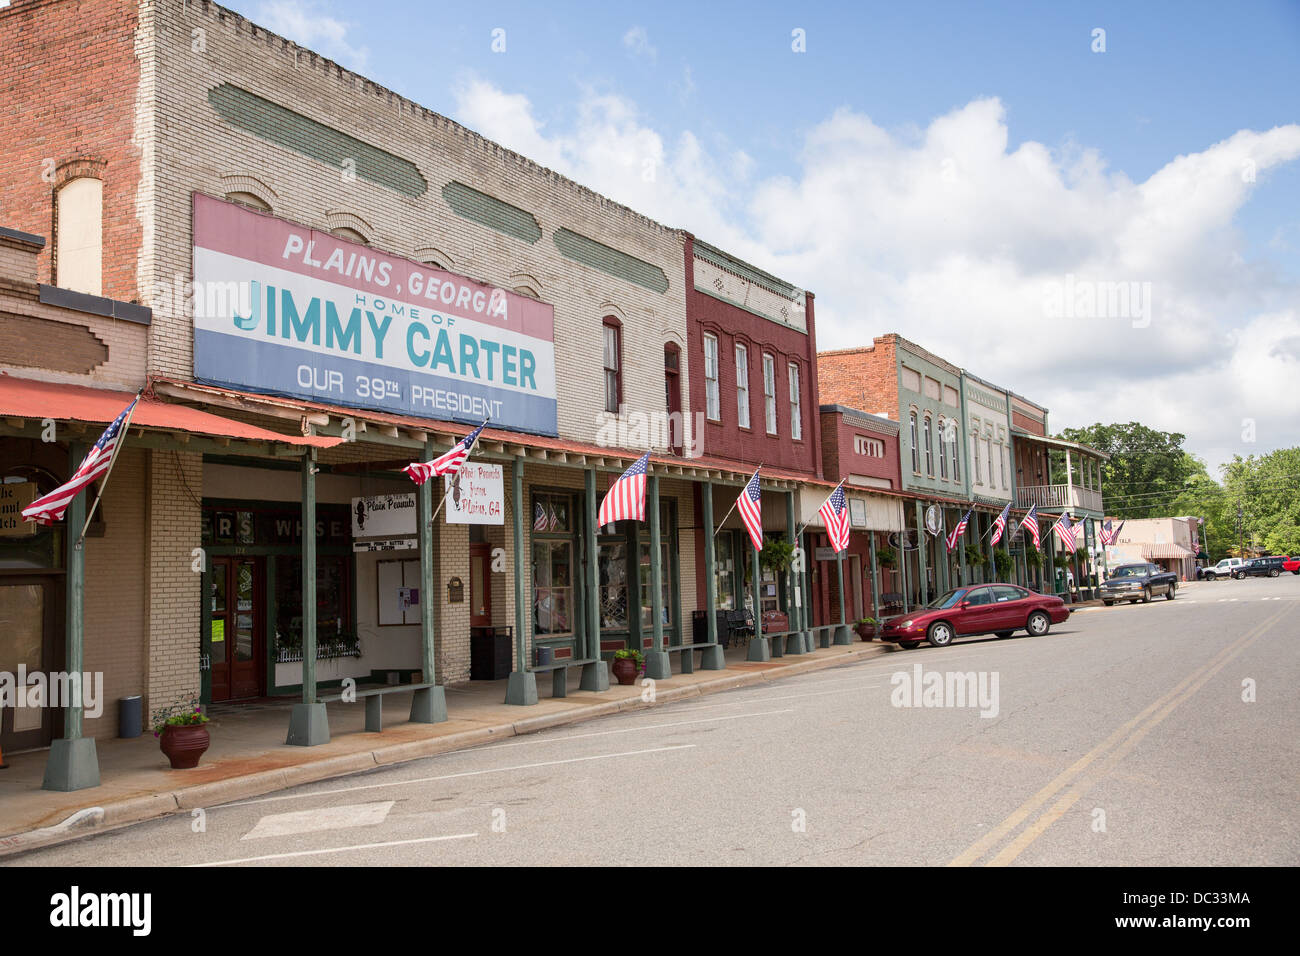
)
(657, 666)
(794, 642)
(308, 722)
(711, 658)
(758, 649)
(842, 633)
(73, 763)
(875, 576)
(428, 705)
(521, 689)
(922, 583)
(595, 676)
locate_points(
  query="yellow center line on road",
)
(1118, 743)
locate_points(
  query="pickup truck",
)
(1138, 582)
(1292, 564)
(1224, 569)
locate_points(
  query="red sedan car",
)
(1000, 609)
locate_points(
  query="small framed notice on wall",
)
(399, 592)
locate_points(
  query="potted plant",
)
(975, 556)
(628, 665)
(1002, 561)
(776, 555)
(886, 559)
(866, 627)
(182, 735)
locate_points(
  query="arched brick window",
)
(79, 235)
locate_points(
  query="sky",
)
(1096, 205)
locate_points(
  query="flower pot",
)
(866, 631)
(184, 745)
(625, 669)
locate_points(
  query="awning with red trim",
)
(26, 398)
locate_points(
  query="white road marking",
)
(452, 776)
(334, 849)
(322, 818)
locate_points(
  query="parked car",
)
(1261, 567)
(1224, 569)
(1292, 564)
(1000, 609)
(1138, 582)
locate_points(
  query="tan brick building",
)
(165, 147)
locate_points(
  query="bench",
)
(374, 698)
(560, 673)
(688, 658)
(828, 630)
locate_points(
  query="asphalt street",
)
(1162, 734)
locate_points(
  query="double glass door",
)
(237, 629)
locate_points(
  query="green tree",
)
(1266, 489)
(1147, 470)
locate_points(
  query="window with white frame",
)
(742, 385)
(796, 404)
(953, 447)
(929, 449)
(975, 442)
(943, 448)
(769, 392)
(712, 398)
(916, 448)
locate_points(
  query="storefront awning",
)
(28, 399)
(1176, 551)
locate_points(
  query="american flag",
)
(554, 517)
(958, 531)
(447, 464)
(750, 506)
(1000, 524)
(834, 513)
(1066, 532)
(625, 499)
(539, 517)
(1108, 536)
(1030, 523)
(48, 509)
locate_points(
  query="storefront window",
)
(613, 585)
(552, 587)
(643, 564)
(724, 573)
(333, 603)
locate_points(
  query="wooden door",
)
(238, 628)
(480, 585)
(31, 629)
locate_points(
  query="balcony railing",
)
(1058, 497)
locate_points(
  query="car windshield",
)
(1130, 571)
(947, 600)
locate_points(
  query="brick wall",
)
(865, 378)
(174, 483)
(69, 78)
(840, 432)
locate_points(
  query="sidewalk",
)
(249, 757)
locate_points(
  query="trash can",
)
(545, 655)
(130, 716)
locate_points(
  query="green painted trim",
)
(479, 207)
(276, 124)
(609, 260)
(714, 294)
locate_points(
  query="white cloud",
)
(308, 24)
(637, 42)
(953, 238)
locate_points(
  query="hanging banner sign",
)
(14, 497)
(475, 495)
(287, 310)
(383, 515)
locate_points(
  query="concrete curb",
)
(144, 807)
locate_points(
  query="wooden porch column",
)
(875, 575)
(758, 649)
(794, 644)
(521, 689)
(922, 583)
(711, 658)
(73, 763)
(595, 676)
(308, 723)
(657, 666)
(429, 705)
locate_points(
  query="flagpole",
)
(733, 505)
(117, 447)
(438, 510)
(804, 524)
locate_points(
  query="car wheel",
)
(1296, 571)
(1146, 595)
(1005, 633)
(1108, 603)
(1038, 624)
(1172, 592)
(1241, 575)
(940, 634)
(1272, 572)
(909, 645)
